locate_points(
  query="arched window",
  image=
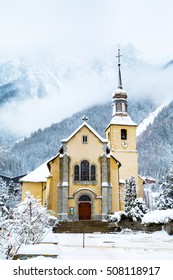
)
(76, 172)
(84, 170)
(118, 107)
(123, 134)
(84, 197)
(93, 173)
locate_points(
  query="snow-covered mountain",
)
(155, 144)
(21, 79)
(150, 119)
(38, 90)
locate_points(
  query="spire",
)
(119, 69)
(119, 97)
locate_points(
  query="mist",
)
(81, 84)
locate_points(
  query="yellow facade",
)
(91, 152)
(78, 151)
(53, 182)
(115, 185)
(37, 189)
(124, 150)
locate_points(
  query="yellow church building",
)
(86, 179)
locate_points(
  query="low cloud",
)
(79, 84)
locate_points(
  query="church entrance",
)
(84, 207)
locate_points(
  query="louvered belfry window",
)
(123, 134)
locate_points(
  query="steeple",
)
(121, 132)
(119, 97)
(119, 70)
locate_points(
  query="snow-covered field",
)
(126, 245)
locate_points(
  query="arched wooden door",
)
(84, 207)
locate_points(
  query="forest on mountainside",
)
(30, 152)
(155, 145)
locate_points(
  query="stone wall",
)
(169, 228)
(127, 223)
(136, 225)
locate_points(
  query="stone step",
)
(85, 227)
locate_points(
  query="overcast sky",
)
(83, 29)
(86, 27)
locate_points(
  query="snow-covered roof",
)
(39, 174)
(125, 120)
(112, 155)
(103, 140)
(119, 91)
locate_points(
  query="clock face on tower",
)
(124, 144)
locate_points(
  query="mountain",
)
(30, 152)
(19, 80)
(155, 144)
(34, 86)
(36, 91)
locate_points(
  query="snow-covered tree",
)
(10, 195)
(26, 225)
(165, 199)
(170, 174)
(31, 220)
(5, 229)
(130, 194)
(134, 207)
(3, 197)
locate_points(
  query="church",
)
(86, 179)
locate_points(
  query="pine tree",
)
(4, 197)
(130, 194)
(10, 194)
(135, 208)
(165, 199)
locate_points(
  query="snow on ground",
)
(150, 119)
(126, 245)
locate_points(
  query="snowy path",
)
(127, 246)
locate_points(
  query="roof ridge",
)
(104, 140)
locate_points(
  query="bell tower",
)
(121, 132)
(119, 97)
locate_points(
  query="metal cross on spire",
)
(119, 69)
(118, 56)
